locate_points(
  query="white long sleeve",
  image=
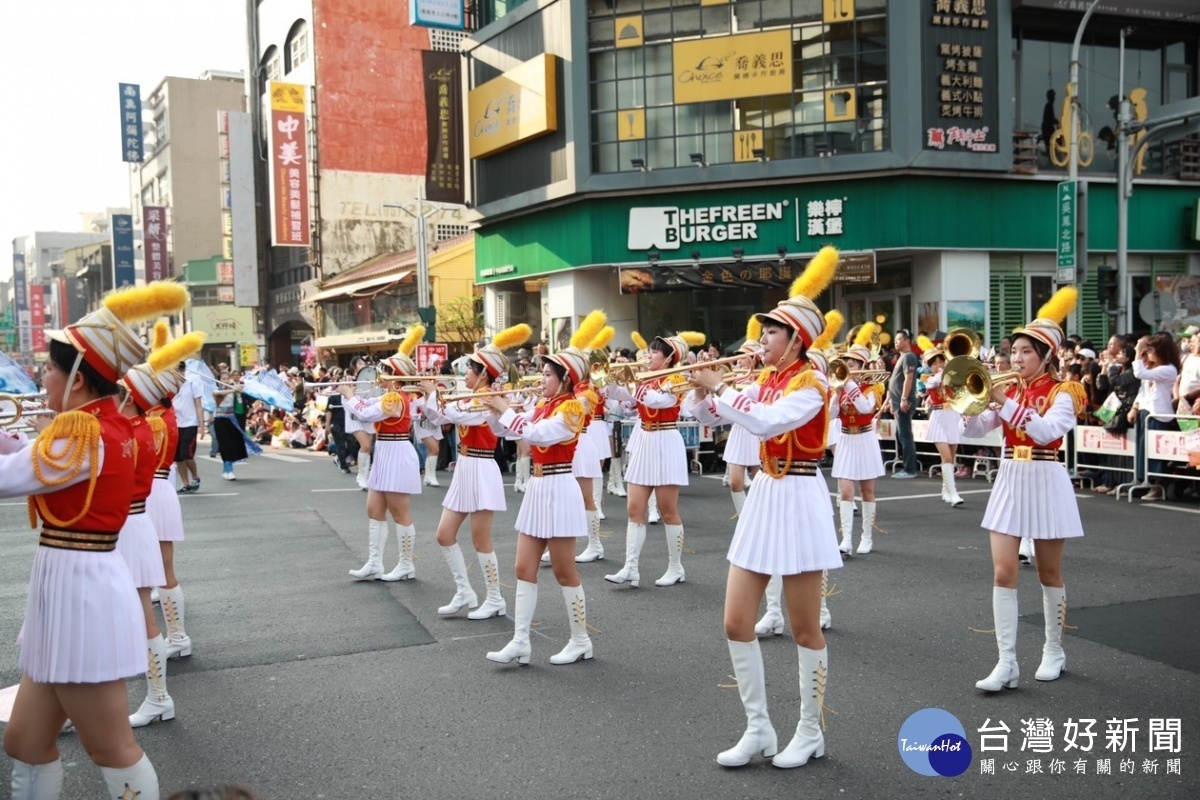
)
(652, 398)
(933, 381)
(1053, 423)
(615, 391)
(552, 430)
(17, 478)
(864, 402)
(979, 426)
(787, 413)
(1163, 372)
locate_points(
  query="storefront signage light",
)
(520, 105)
(492, 272)
(670, 227)
(728, 67)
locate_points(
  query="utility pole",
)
(1124, 189)
(421, 210)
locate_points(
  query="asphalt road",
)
(306, 684)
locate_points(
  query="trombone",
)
(731, 378)
(967, 384)
(11, 418)
(473, 396)
(840, 373)
(725, 363)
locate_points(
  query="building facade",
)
(676, 161)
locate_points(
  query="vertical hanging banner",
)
(132, 149)
(443, 123)
(122, 250)
(154, 237)
(289, 165)
(21, 302)
(37, 317)
(242, 211)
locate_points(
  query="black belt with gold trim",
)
(162, 474)
(795, 468)
(394, 437)
(558, 468)
(940, 407)
(1026, 453)
(660, 426)
(475, 452)
(853, 429)
(137, 507)
(78, 540)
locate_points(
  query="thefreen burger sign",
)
(671, 227)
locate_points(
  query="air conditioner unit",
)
(511, 309)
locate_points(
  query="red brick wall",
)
(371, 108)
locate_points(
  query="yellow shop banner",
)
(728, 67)
(518, 106)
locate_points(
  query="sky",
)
(60, 153)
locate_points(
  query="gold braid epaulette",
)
(158, 426)
(764, 375)
(807, 380)
(79, 433)
(1075, 390)
(573, 414)
(593, 399)
(390, 403)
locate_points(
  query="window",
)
(445, 41)
(447, 231)
(297, 45)
(270, 66)
(160, 128)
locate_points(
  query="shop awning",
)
(331, 289)
(357, 340)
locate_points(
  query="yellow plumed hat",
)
(157, 379)
(1048, 325)
(799, 312)
(492, 356)
(402, 363)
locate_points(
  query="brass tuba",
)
(967, 384)
(961, 342)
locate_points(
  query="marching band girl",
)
(363, 433)
(945, 424)
(741, 448)
(1031, 484)
(476, 490)
(599, 441)
(858, 458)
(552, 513)
(599, 431)
(84, 630)
(786, 526)
(395, 476)
(658, 460)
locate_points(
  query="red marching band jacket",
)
(478, 437)
(170, 440)
(1033, 398)
(656, 415)
(145, 460)
(935, 395)
(850, 416)
(563, 452)
(806, 443)
(397, 425)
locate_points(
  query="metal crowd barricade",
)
(1177, 446)
(886, 431)
(1093, 439)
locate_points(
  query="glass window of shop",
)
(1160, 67)
(720, 314)
(634, 111)
(377, 313)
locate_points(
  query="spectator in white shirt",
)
(1188, 388)
(1157, 366)
(189, 415)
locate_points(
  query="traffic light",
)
(1106, 286)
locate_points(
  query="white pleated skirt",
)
(600, 433)
(742, 448)
(1034, 499)
(833, 434)
(552, 508)
(354, 425)
(658, 458)
(83, 619)
(945, 426)
(858, 457)
(162, 506)
(786, 527)
(394, 468)
(586, 461)
(476, 486)
(138, 545)
(421, 432)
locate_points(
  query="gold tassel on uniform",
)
(80, 435)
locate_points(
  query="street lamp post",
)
(421, 210)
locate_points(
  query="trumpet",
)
(473, 396)
(731, 378)
(725, 363)
(413, 381)
(530, 381)
(840, 373)
(961, 342)
(11, 418)
(967, 384)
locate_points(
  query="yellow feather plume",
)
(171, 353)
(925, 343)
(515, 336)
(693, 338)
(817, 275)
(863, 339)
(753, 330)
(639, 341)
(1060, 305)
(833, 324)
(142, 302)
(161, 334)
(589, 329)
(603, 338)
(412, 340)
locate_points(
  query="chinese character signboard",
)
(122, 250)
(37, 317)
(154, 238)
(443, 123)
(432, 355)
(960, 73)
(289, 165)
(131, 123)
(21, 302)
(728, 67)
(436, 14)
(520, 105)
(1064, 214)
(774, 274)
(241, 207)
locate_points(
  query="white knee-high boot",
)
(809, 741)
(616, 477)
(594, 550)
(1004, 613)
(652, 515)
(868, 533)
(674, 573)
(158, 704)
(493, 605)
(37, 782)
(406, 569)
(635, 537)
(580, 645)
(1054, 658)
(949, 488)
(464, 595)
(518, 649)
(759, 737)
(140, 781)
(373, 569)
(364, 469)
(826, 617)
(431, 471)
(739, 501)
(771, 623)
(846, 511)
(522, 474)
(598, 497)
(178, 642)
